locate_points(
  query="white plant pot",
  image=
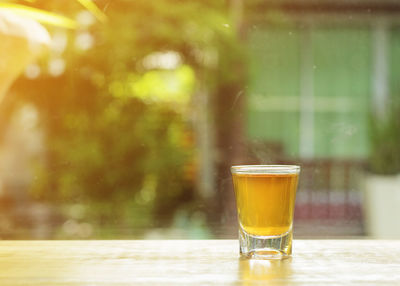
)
(382, 206)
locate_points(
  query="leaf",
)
(91, 6)
(39, 15)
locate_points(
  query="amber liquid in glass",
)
(265, 202)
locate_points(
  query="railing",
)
(329, 189)
(329, 195)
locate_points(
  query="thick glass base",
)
(265, 247)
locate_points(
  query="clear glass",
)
(265, 198)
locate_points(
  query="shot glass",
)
(265, 197)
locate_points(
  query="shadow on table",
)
(264, 272)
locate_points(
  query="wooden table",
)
(196, 262)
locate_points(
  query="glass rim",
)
(265, 169)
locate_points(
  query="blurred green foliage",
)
(118, 135)
(385, 141)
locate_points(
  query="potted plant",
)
(382, 184)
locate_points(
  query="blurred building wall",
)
(317, 71)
